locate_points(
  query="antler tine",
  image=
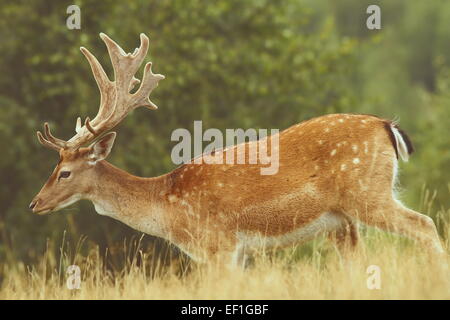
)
(149, 83)
(48, 140)
(87, 124)
(105, 86)
(51, 138)
(133, 83)
(97, 70)
(47, 143)
(125, 65)
(78, 125)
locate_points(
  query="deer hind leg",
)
(239, 257)
(394, 217)
(345, 238)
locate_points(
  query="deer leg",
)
(238, 258)
(396, 218)
(345, 238)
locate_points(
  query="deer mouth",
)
(42, 211)
(39, 210)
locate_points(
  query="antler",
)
(116, 101)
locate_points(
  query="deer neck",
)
(132, 200)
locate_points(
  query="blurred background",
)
(230, 63)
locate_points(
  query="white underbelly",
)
(326, 222)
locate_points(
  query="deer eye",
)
(64, 174)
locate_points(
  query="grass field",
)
(313, 271)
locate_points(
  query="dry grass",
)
(312, 271)
(406, 273)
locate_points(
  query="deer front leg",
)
(238, 257)
(345, 238)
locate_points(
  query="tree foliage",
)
(230, 63)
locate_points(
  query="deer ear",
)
(101, 148)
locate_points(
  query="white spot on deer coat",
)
(172, 198)
(366, 147)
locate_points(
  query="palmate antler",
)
(116, 100)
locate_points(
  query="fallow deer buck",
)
(334, 171)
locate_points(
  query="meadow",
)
(315, 270)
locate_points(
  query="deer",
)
(336, 172)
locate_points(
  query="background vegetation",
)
(230, 63)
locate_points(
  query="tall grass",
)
(313, 271)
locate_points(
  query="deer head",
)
(73, 177)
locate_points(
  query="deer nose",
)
(33, 204)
